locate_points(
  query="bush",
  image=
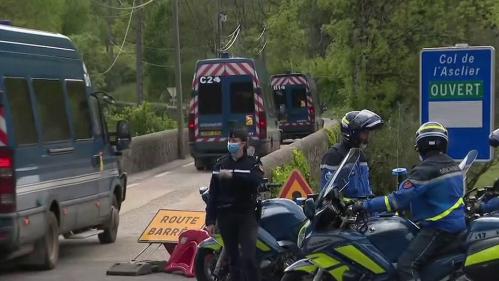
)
(281, 174)
(383, 155)
(142, 119)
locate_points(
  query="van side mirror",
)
(123, 135)
(309, 208)
(494, 138)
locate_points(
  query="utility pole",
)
(139, 51)
(178, 75)
(219, 28)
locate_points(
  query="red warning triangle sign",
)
(295, 187)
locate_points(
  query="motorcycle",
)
(344, 245)
(279, 224)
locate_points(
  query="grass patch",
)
(488, 178)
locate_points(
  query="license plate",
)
(210, 133)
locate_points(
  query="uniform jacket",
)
(236, 193)
(359, 185)
(433, 192)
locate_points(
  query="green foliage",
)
(333, 135)
(392, 147)
(142, 119)
(281, 174)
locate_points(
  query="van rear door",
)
(240, 96)
(211, 108)
(297, 103)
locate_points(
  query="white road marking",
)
(163, 174)
(188, 165)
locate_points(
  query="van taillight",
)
(7, 182)
(192, 126)
(312, 113)
(262, 124)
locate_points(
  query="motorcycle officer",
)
(355, 128)
(232, 202)
(492, 204)
(434, 193)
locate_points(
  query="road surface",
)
(173, 186)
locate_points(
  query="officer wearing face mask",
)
(232, 203)
(355, 128)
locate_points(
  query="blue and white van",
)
(59, 172)
(297, 102)
(227, 93)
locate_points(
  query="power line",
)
(230, 44)
(158, 65)
(122, 44)
(125, 8)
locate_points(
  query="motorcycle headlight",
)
(302, 233)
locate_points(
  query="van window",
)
(21, 110)
(50, 102)
(279, 99)
(79, 108)
(242, 98)
(96, 116)
(210, 98)
(299, 98)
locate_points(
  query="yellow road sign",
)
(167, 225)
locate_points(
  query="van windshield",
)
(210, 98)
(242, 98)
(298, 97)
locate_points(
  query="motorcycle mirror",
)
(309, 208)
(203, 189)
(494, 138)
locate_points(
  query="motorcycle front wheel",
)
(206, 261)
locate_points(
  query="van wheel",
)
(46, 253)
(198, 164)
(111, 230)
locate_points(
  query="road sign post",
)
(457, 90)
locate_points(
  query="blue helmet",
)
(494, 138)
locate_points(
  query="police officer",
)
(355, 128)
(232, 203)
(434, 193)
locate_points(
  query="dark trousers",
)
(420, 251)
(239, 231)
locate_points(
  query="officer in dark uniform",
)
(355, 128)
(434, 193)
(232, 203)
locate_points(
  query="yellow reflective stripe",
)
(322, 260)
(357, 256)
(387, 203)
(442, 215)
(338, 273)
(432, 127)
(488, 254)
(345, 121)
(307, 268)
(262, 246)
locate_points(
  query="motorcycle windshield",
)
(342, 176)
